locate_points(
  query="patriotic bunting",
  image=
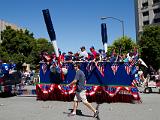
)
(114, 67)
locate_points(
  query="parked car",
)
(152, 82)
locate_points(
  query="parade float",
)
(105, 81)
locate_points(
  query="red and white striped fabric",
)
(134, 83)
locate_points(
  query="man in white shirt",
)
(83, 54)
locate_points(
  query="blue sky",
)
(76, 22)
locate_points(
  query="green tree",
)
(20, 46)
(44, 45)
(41, 44)
(122, 45)
(150, 45)
(17, 44)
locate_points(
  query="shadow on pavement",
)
(78, 112)
(97, 108)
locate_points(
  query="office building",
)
(147, 12)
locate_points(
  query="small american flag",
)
(134, 82)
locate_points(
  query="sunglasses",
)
(75, 66)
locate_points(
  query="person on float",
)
(80, 95)
(76, 57)
(93, 51)
(83, 54)
(103, 55)
(63, 56)
(70, 56)
(113, 56)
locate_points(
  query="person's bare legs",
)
(96, 112)
(89, 106)
(75, 106)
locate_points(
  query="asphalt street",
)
(28, 108)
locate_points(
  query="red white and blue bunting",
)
(65, 93)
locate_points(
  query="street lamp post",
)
(122, 23)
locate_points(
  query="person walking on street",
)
(80, 95)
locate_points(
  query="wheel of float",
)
(146, 90)
(159, 90)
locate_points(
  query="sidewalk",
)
(28, 90)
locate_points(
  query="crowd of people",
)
(92, 55)
(28, 76)
(132, 57)
(9, 75)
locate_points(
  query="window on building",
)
(157, 20)
(156, 10)
(145, 13)
(156, 1)
(145, 4)
(146, 22)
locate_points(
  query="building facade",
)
(147, 12)
(3, 25)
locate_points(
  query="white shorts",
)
(80, 96)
